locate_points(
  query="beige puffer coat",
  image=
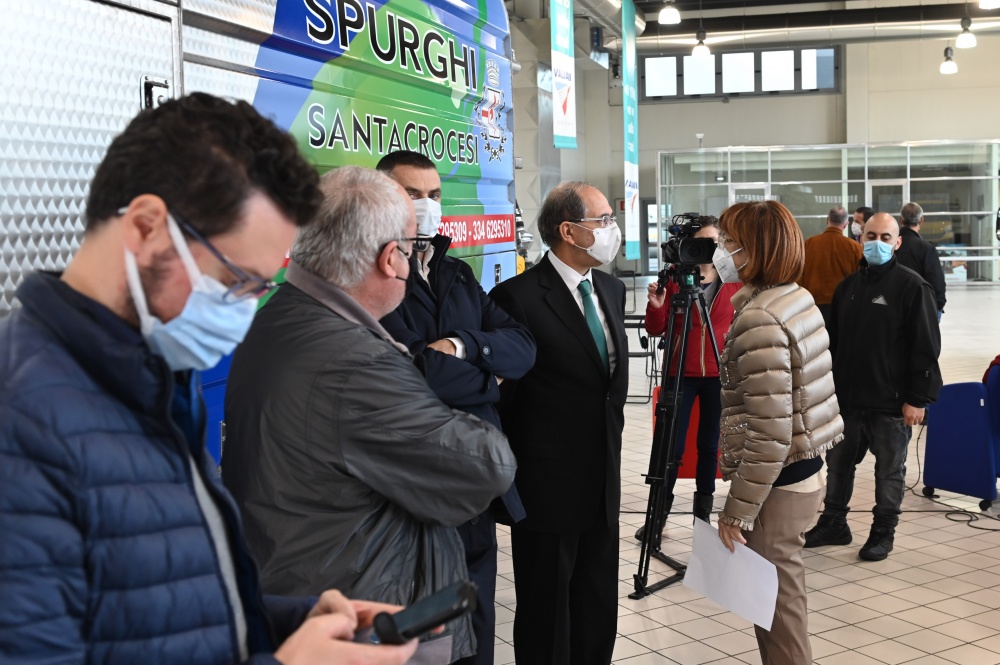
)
(778, 400)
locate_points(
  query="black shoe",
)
(656, 541)
(703, 506)
(829, 531)
(879, 544)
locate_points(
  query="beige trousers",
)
(778, 536)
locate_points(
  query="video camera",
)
(683, 253)
(682, 247)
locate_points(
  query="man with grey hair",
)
(564, 419)
(919, 255)
(350, 471)
(830, 257)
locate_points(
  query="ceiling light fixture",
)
(966, 39)
(949, 66)
(989, 4)
(669, 14)
(700, 49)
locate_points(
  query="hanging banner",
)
(630, 112)
(563, 74)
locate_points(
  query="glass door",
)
(887, 195)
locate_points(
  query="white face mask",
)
(856, 229)
(606, 243)
(428, 217)
(723, 262)
(206, 330)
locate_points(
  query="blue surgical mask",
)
(206, 330)
(877, 252)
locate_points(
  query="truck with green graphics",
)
(351, 80)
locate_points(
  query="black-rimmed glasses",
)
(604, 221)
(417, 243)
(247, 285)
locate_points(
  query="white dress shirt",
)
(572, 279)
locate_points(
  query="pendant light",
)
(966, 39)
(700, 49)
(669, 14)
(949, 66)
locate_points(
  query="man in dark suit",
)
(919, 255)
(468, 346)
(564, 420)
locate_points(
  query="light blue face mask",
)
(206, 330)
(877, 252)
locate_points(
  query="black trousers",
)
(567, 596)
(479, 537)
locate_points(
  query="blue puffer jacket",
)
(105, 556)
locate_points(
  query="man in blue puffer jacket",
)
(119, 544)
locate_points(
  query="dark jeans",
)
(708, 390)
(887, 438)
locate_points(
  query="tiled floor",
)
(936, 599)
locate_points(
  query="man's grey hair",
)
(562, 204)
(837, 216)
(362, 210)
(911, 214)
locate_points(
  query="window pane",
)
(695, 168)
(777, 70)
(661, 77)
(699, 75)
(811, 201)
(737, 72)
(749, 166)
(950, 161)
(707, 200)
(808, 69)
(888, 161)
(825, 70)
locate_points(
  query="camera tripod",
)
(661, 459)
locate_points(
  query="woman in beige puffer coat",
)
(779, 410)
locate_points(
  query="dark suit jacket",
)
(564, 418)
(455, 305)
(921, 257)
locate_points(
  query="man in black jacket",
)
(564, 420)
(919, 255)
(468, 346)
(885, 343)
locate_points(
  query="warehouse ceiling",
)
(782, 21)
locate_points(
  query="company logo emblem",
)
(488, 110)
(879, 301)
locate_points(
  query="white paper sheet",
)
(743, 582)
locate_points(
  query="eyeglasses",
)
(419, 243)
(604, 221)
(246, 286)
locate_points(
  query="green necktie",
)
(594, 322)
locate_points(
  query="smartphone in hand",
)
(420, 617)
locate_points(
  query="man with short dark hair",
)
(350, 471)
(861, 217)
(564, 420)
(830, 257)
(885, 344)
(468, 346)
(119, 543)
(919, 255)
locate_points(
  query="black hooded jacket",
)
(885, 340)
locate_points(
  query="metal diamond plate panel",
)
(69, 82)
(256, 14)
(219, 47)
(220, 82)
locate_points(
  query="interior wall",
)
(896, 93)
